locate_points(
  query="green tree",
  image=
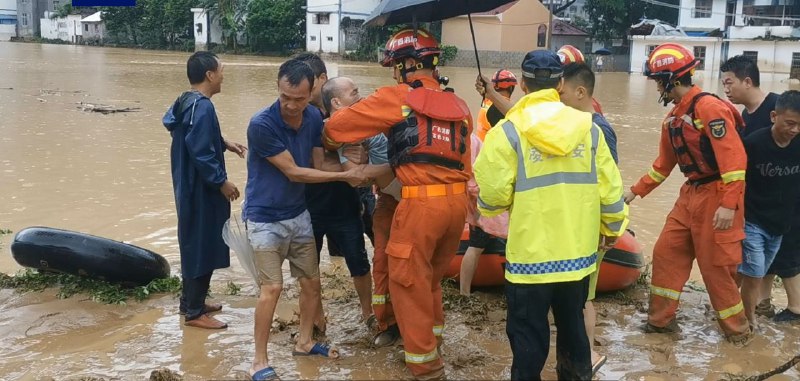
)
(275, 25)
(151, 23)
(611, 19)
(231, 16)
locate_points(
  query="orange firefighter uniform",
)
(428, 221)
(483, 125)
(700, 136)
(381, 224)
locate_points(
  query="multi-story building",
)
(8, 19)
(325, 31)
(766, 30)
(30, 13)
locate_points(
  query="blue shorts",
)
(758, 250)
(347, 234)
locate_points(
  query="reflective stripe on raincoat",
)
(550, 166)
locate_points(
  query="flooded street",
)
(108, 175)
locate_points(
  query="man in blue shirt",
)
(284, 142)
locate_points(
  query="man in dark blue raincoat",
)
(202, 190)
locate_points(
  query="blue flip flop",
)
(319, 349)
(267, 373)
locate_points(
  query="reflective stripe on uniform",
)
(414, 358)
(728, 312)
(616, 207)
(486, 206)
(732, 176)
(405, 110)
(614, 226)
(379, 299)
(561, 266)
(438, 330)
(665, 292)
(525, 183)
(657, 177)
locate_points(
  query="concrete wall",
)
(94, 31)
(322, 37)
(687, 20)
(750, 32)
(713, 45)
(206, 29)
(576, 41)
(67, 29)
(773, 56)
(515, 30)
(490, 58)
(7, 32)
(326, 37)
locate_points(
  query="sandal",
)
(319, 349)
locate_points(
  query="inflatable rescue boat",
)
(69, 252)
(620, 268)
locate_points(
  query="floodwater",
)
(108, 175)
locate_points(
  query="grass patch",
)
(99, 291)
(232, 289)
(5, 231)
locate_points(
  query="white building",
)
(8, 19)
(323, 17)
(94, 28)
(719, 29)
(67, 29)
(207, 29)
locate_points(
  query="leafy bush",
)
(448, 53)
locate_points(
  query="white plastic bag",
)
(234, 233)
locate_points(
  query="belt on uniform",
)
(704, 180)
(433, 190)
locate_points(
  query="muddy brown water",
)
(108, 175)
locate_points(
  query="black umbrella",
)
(392, 12)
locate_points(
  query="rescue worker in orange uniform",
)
(429, 150)
(707, 222)
(569, 54)
(504, 83)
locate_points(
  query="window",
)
(96, 27)
(24, 19)
(753, 55)
(703, 8)
(650, 49)
(700, 54)
(794, 72)
(322, 18)
(330, 38)
(541, 39)
(313, 38)
(85, 27)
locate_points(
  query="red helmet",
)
(408, 43)
(670, 61)
(504, 79)
(570, 54)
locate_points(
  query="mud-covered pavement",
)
(108, 175)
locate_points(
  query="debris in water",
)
(165, 375)
(105, 109)
(761, 377)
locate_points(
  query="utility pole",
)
(339, 27)
(549, 23)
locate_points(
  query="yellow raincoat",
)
(549, 165)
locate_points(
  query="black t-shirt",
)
(760, 118)
(772, 181)
(332, 201)
(493, 115)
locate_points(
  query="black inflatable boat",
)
(86, 255)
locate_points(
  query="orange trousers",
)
(381, 225)
(689, 234)
(425, 235)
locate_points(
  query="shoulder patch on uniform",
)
(717, 128)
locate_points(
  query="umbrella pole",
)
(474, 45)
